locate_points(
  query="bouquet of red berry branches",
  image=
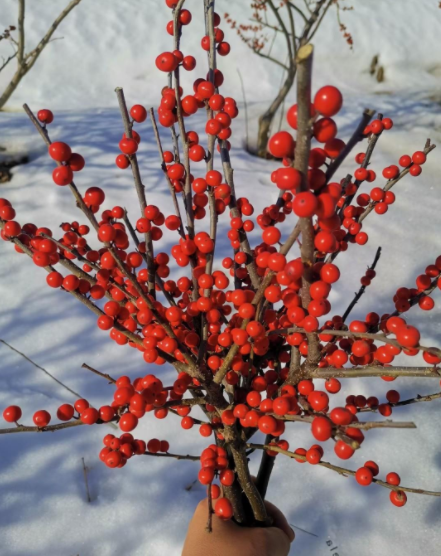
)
(252, 337)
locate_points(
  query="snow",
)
(145, 507)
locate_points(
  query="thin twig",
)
(362, 289)
(86, 482)
(40, 367)
(104, 375)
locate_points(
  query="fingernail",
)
(293, 535)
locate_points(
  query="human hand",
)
(228, 538)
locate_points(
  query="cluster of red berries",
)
(365, 476)
(214, 461)
(68, 161)
(260, 335)
(404, 297)
(117, 451)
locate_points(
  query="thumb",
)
(278, 541)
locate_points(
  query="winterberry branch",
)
(427, 149)
(39, 367)
(362, 289)
(103, 375)
(371, 370)
(140, 190)
(243, 238)
(49, 428)
(341, 470)
(409, 401)
(356, 425)
(372, 142)
(356, 138)
(175, 456)
(164, 170)
(301, 158)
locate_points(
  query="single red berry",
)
(89, 416)
(364, 476)
(62, 175)
(138, 113)
(45, 116)
(419, 157)
(12, 414)
(223, 509)
(281, 145)
(313, 456)
(343, 450)
(415, 170)
(408, 336)
(128, 422)
(373, 467)
(328, 100)
(113, 459)
(59, 151)
(321, 428)
(393, 479)
(41, 418)
(398, 498)
(65, 412)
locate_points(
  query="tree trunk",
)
(266, 119)
(13, 84)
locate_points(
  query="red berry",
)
(128, 422)
(364, 476)
(408, 336)
(398, 498)
(62, 175)
(393, 479)
(223, 509)
(321, 428)
(89, 416)
(65, 412)
(166, 61)
(138, 113)
(45, 116)
(226, 477)
(76, 162)
(419, 157)
(343, 450)
(405, 161)
(281, 145)
(12, 414)
(41, 418)
(328, 100)
(59, 151)
(305, 204)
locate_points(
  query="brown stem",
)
(362, 289)
(410, 401)
(357, 136)
(140, 190)
(104, 375)
(342, 471)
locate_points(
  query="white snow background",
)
(144, 508)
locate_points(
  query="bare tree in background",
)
(25, 62)
(297, 21)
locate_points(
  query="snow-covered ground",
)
(145, 507)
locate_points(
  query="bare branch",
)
(357, 136)
(362, 289)
(175, 456)
(106, 376)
